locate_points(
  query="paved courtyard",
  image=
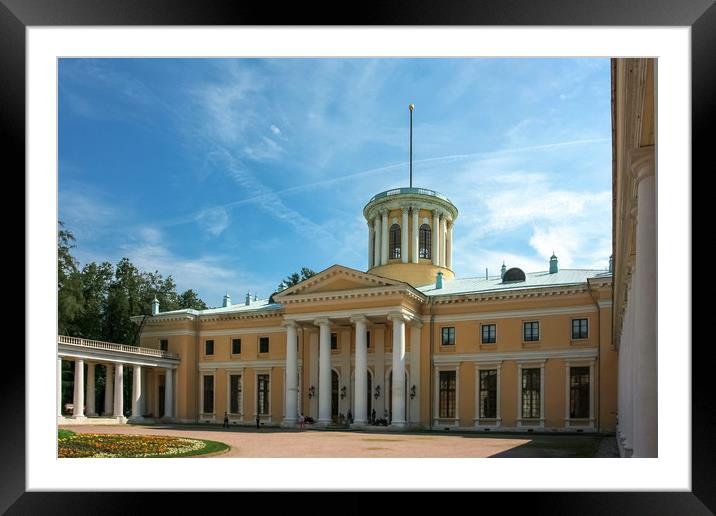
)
(275, 442)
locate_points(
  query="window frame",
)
(579, 337)
(486, 372)
(394, 239)
(524, 332)
(266, 392)
(268, 345)
(233, 345)
(204, 398)
(239, 393)
(482, 333)
(524, 422)
(162, 346)
(534, 389)
(207, 343)
(451, 401)
(334, 335)
(451, 336)
(425, 241)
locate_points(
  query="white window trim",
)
(571, 324)
(257, 372)
(206, 416)
(488, 422)
(439, 422)
(568, 422)
(240, 415)
(526, 422)
(539, 331)
(454, 332)
(487, 323)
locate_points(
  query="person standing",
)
(226, 420)
(258, 421)
(301, 420)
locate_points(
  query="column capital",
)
(397, 315)
(415, 323)
(641, 162)
(383, 212)
(359, 318)
(436, 212)
(289, 324)
(322, 321)
(405, 209)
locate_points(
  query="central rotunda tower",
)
(410, 235)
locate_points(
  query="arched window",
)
(424, 242)
(394, 244)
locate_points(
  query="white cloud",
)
(214, 220)
(275, 130)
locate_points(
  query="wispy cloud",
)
(214, 220)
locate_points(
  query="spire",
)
(503, 270)
(227, 300)
(248, 298)
(553, 269)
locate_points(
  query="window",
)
(531, 393)
(424, 242)
(447, 394)
(580, 328)
(448, 338)
(579, 392)
(334, 341)
(209, 347)
(489, 333)
(263, 394)
(235, 346)
(263, 344)
(488, 393)
(235, 394)
(531, 331)
(164, 345)
(394, 244)
(208, 395)
(367, 339)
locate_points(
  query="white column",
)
(169, 393)
(324, 371)
(415, 331)
(416, 237)
(361, 371)
(118, 390)
(398, 394)
(90, 390)
(59, 387)
(371, 244)
(448, 252)
(436, 237)
(79, 389)
(384, 238)
(108, 391)
(291, 398)
(377, 241)
(143, 395)
(443, 238)
(404, 237)
(136, 392)
(645, 375)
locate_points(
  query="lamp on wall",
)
(311, 392)
(412, 392)
(377, 392)
(343, 392)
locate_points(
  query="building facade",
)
(405, 341)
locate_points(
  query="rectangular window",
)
(263, 344)
(235, 346)
(263, 394)
(334, 341)
(580, 328)
(235, 386)
(579, 392)
(367, 339)
(531, 393)
(488, 394)
(448, 338)
(209, 347)
(447, 394)
(489, 333)
(164, 345)
(208, 395)
(531, 332)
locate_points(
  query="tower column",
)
(416, 228)
(384, 239)
(436, 236)
(371, 244)
(443, 238)
(404, 237)
(324, 371)
(448, 254)
(376, 241)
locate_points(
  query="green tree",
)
(96, 279)
(190, 299)
(296, 278)
(69, 284)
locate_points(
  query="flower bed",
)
(74, 445)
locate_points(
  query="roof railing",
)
(398, 191)
(111, 346)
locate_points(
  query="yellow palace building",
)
(515, 351)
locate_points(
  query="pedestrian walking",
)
(226, 420)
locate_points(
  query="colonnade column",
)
(398, 391)
(291, 375)
(108, 390)
(443, 235)
(384, 238)
(435, 236)
(371, 245)
(118, 390)
(59, 387)
(404, 236)
(136, 392)
(376, 242)
(645, 420)
(448, 252)
(168, 393)
(361, 371)
(324, 371)
(90, 390)
(416, 237)
(79, 389)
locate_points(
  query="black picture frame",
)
(17, 15)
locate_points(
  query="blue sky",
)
(229, 174)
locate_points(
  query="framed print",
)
(40, 39)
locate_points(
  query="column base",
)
(77, 417)
(289, 423)
(136, 419)
(398, 424)
(120, 419)
(323, 422)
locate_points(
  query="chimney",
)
(256, 296)
(503, 270)
(553, 264)
(439, 280)
(611, 264)
(155, 306)
(227, 300)
(248, 299)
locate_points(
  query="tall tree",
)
(96, 279)
(69, 284)
(295, 278)
(190, 299)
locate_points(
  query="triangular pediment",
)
(337, 278)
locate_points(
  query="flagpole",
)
(411, 144)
